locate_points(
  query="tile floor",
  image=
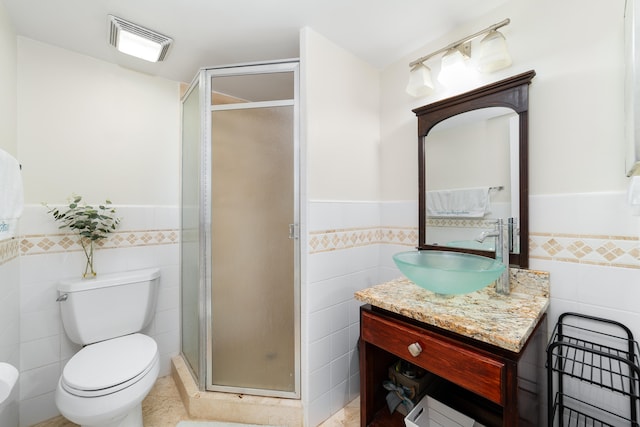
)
(163, 408)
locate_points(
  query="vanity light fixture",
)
(420, 83)
(134, 40)
(494, 56)
(453, 65)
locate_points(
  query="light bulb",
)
(453, 68)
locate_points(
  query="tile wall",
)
(347, 250)
(590, 243)
(594, 268)
(9, 321)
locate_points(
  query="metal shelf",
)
(598, 352)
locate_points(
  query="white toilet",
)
(103, 385)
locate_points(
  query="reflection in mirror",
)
(473, 150)
(475, 144)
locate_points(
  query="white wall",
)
(342, 101)
(101, 131)
(95, 129)
(576, 108)
(340, 133)
(8, 54)
(9, 273)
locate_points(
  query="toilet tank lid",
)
(105, 280)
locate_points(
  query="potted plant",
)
(91, 223)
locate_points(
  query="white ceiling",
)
(219, 32)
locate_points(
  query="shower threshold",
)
(233, 407)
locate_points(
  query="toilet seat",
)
(109, 366)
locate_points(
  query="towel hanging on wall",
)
(11, 194)
(460, 203)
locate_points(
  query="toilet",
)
(104, 384)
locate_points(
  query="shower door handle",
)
(293, 231)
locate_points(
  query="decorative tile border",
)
(333, 240)
(611, 251)
(8, 250)
(55, 243)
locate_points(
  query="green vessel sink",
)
(448, 273)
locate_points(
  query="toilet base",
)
(122, 408)
(133, 419)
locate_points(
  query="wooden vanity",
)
(485, 351)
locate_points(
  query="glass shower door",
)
(252, 255)
(254, 308)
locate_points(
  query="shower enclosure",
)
(239, 225)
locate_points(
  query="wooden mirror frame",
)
(512, 93)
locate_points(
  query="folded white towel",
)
(462, 203)
(11, 194)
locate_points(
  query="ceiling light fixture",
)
(494, 56)
(134, 40)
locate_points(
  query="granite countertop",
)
(506, 321)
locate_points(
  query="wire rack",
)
(598, 352)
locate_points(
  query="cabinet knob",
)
(415, 349)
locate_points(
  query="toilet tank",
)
(109, 305)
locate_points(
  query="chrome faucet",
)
(502, 235)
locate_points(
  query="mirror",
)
(473, 150)
(476, 141)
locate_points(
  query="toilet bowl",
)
(8, 395)
(104, 384)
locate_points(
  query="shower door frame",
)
(205, 80)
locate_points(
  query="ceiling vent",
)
(132, 39)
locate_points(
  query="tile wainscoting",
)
(346, 249)
(148, 236)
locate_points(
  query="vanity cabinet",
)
(496, 387)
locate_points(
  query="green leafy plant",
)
(91, 223)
